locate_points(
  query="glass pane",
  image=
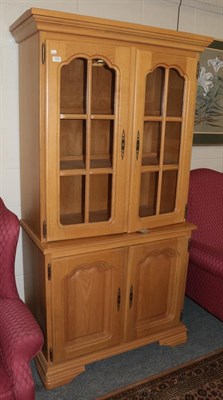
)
(100, 197)
(172, 142)
(151, 143)
(154, 92)
(101, 143)
(103, 88)
(73, 87)
(175, 94)
(72, 144)
(72, 194)
(148, 194)
(168, 192)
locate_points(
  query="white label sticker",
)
(56, 59)
(53, 51)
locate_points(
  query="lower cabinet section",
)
(100, 298)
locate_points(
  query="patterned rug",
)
(201, 379)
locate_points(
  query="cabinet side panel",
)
(36, 296)
(29, 132)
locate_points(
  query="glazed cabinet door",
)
(87, 124)
(87, 303)
(155, 287)
(163, 127)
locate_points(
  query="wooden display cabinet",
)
(105, 136)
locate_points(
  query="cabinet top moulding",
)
(35, 20)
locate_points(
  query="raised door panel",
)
(87, 302)
(155, 286)
(162, 138)
(87, 125)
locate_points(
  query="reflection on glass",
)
(72, 192)
(168, 192)
(73, 87)
(101, 143)
(175, 94)
(100, 197)
(103, 88)
(154, 92)
(148, 194)
(72, 144)
(151, 143)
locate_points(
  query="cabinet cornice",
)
(36, 20)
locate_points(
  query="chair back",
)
(9, 233)
(205, 206)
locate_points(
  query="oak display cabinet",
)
(106, 126)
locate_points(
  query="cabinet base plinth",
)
(53, 376)
(58, 374)
(175, 338)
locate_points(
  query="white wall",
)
(203, 17)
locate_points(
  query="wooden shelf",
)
(85, 116)
(79, 165)
(160, 118)
(78, 218)
(71, 164)
(73, 116)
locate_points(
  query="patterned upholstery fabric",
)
(205, 269)
(20, 335)
(9, 233)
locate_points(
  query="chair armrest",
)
(20, 340)
(206, 257)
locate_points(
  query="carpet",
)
(201, 379)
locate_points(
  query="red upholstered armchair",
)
(205, 270)
(20, 335)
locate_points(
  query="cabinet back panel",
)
(73, 86)
(100, 197)
(148, 194)
(72, 199)
(103, 89)
(154, 92)
(168, 191)
(172, 143)
(175, 94)
(72, 139)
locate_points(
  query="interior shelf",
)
(70, 115)
(96, 163)
(78, 218)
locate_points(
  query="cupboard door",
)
(155, 287)
(87, 303)
(162, 139)
(87, 123)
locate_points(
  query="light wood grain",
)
(106, 126)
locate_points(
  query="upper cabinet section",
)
(114, 123)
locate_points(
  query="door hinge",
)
(43, 53)
(44, 229)
(49, 272)
(189, 244)
(181, 315)
(51, 354)
(185, 211)
(131, 296)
